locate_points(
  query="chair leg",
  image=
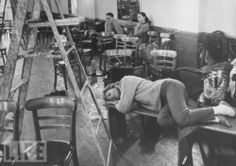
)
(64, 77)
(55, 77)
(75, 158)
(185, 152)
(203, 153)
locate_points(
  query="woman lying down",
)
(131, 91)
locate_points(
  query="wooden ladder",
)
(79, 84)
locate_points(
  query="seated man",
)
(112, 25)
(133, 91)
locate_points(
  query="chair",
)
(153, 36)
(163, 64)
(9, 112)
(3, 58)
(130, 42)
(167, 41)
(59, 64)
(9, 124)
(164, 59)
(59, 70)
(61, 115)
(145, 56)
(119, 43)
(106, 40)
(125, 47)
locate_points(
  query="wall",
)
(193, 15)
(176, 14)
(104, 6)
(218, 15)
(85, 8)
(63, 4)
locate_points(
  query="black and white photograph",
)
(117, 83)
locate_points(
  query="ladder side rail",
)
(83, 72)
(99, 111)
(6, 80)
(62, 16)
(63, 51)
(13, 6)
(27, 64)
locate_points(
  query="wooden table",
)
(217, 131)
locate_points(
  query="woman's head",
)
(142, 18)
(212, 51)
(111, 92)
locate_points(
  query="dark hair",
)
(146, 18)
(110, 86)
(110, 14)
(213, 47)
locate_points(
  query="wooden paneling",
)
(187, 44)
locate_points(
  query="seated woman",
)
(132, 90)
(142, 28)
(196, 80)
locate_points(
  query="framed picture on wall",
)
(128, 9)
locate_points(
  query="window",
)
(128, 9)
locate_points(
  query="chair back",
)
(119, 43)
(106, 38)
(165, 40)
(130, 42)
(164, 59)
(152, 36)
(145, 49)
(9, 121)
(53, 112)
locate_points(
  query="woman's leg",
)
(175, 94)
(165, 118)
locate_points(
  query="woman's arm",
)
(141, 29)
(128, 89)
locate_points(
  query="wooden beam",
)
(27, 65)
(48, 54)
(61, 22)
(18, 85)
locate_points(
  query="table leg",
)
(117, 124)
(185, 151)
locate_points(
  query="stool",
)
(59, 70)
(3, 57)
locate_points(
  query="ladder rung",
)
(19, 84)
(85, 85)
(61, 22)
(49, 54)
(68, 51)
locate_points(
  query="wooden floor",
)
(137, 150)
